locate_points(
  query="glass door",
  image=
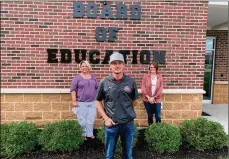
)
(209, 69)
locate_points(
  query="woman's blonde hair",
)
(87, 63)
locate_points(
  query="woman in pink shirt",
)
(152, 86)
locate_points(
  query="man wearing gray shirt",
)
(119, 95)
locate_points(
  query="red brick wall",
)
(221, 54)
(29, 28)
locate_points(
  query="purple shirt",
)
(84, 88)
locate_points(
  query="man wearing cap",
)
(119, 95)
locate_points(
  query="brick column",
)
(220, 92)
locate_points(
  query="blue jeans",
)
(126, 132)
(153, 109)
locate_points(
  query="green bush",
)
(21, 138)
(4, 134)
(223, 157)
(65, 135)
(101, 136)
(163, 137)
(203, 134)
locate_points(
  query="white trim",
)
(56, 90)
(221, 82)
(34, 90)
(218, 3)
(183, 91)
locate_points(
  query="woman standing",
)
(83, 91)
(152, 86)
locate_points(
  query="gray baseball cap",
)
(116, 57)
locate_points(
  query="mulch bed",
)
(94, 149)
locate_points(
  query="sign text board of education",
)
(101, 36)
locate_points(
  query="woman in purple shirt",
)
(83, 91)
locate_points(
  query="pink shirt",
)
(147, 88)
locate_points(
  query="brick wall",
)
(29, 28)
(220, 94)
(221, 54)
(45, 108)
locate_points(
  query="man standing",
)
(119, 94)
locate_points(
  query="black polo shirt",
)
(118, 97)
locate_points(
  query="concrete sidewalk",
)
(218, 112)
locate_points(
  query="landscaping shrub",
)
(163, 137)
(65, 135)
(101, 137)
(21, 138)
(4, 134)
(223, 157)
(204, 134)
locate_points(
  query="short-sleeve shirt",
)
(84, 88)
(118, 97)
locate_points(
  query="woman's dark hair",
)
(155, 65)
